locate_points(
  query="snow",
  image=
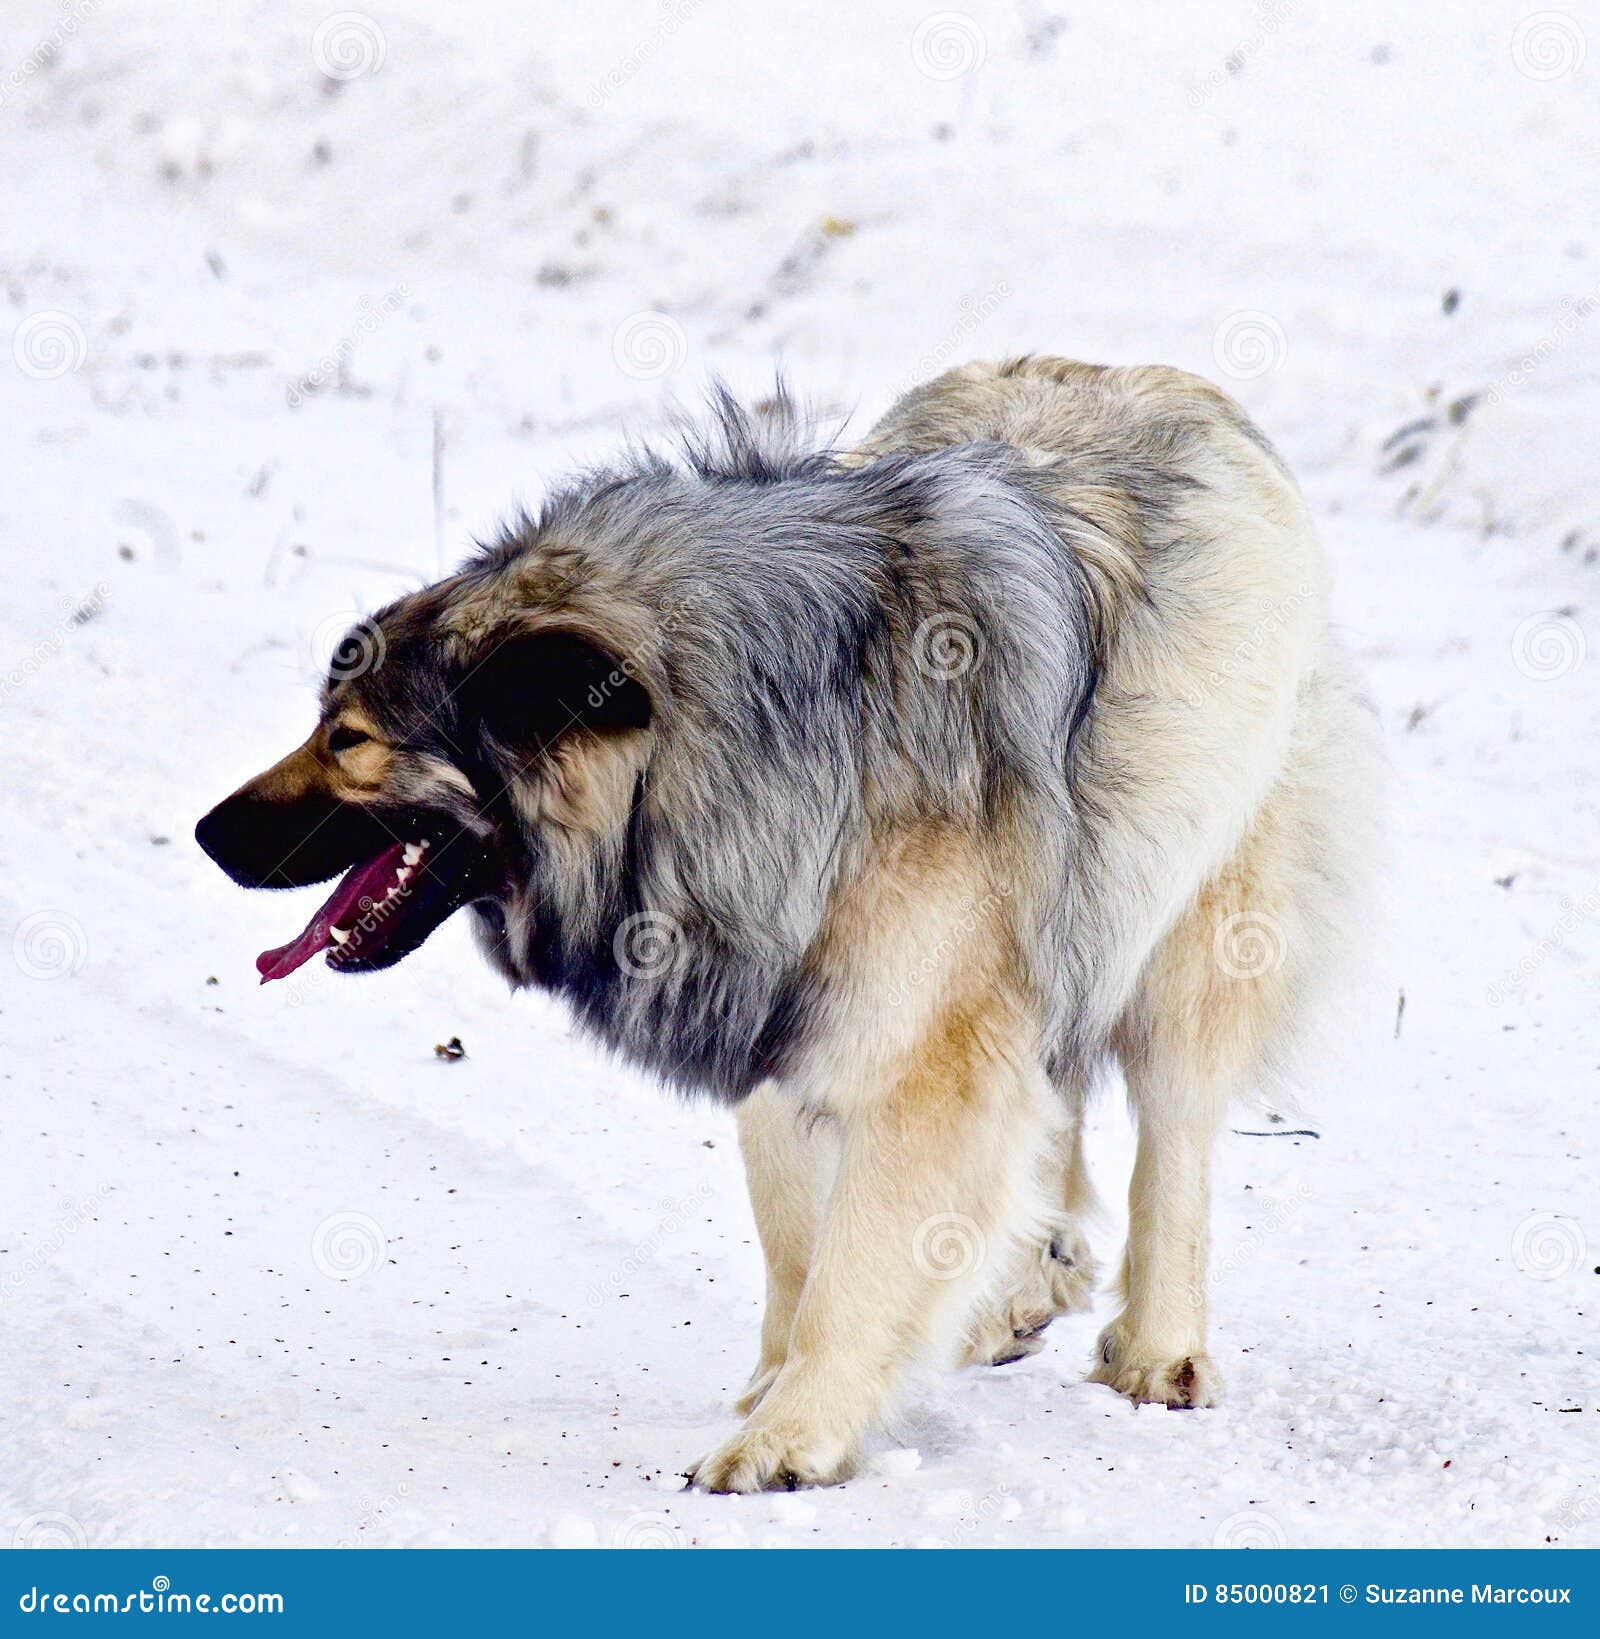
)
(271, 1271)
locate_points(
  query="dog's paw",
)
(755, 1391)
(771, 1459)
(1059, 1279)
(1186, 1382)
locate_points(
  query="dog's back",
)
(1222, 708)
(1108, 417)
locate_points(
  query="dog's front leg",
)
(934, 1181)
(790, 1154)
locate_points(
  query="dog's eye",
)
(346, 739)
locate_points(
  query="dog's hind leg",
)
(1055, 1273)
(1215, 1002)
(790, 1155)
(935, 1177)
(1156, 1349)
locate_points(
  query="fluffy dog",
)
(889, 795)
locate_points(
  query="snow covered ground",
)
(293, 305)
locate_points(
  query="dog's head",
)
(453, 728)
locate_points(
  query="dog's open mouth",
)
(382, 910)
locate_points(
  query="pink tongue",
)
(371, 882)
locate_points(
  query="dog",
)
(890, 795)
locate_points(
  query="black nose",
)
(229, 840)
(248, 839)
(264, 843)
(206, 833)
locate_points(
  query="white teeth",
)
(341, 936)
(413, 852)
(401, 877)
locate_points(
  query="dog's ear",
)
(527, 690)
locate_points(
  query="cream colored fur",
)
(919, 1185)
